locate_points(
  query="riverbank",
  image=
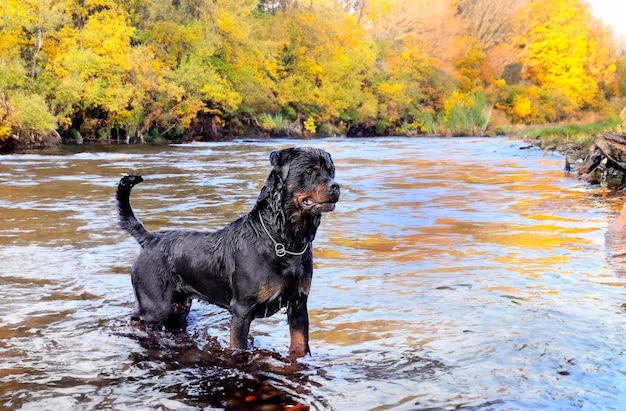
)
(574, 140)
(571, 139)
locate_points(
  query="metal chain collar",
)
(279, 248)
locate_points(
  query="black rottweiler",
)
(253, 267)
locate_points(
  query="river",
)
(465, 273)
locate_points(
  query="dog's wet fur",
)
(238, 267)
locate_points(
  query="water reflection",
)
(455, 273)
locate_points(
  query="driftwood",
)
(607, 155)
(613, 146)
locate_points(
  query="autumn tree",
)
(493, 25)
(563, 54)
(435, 26)
(88, 58)
(25, 115)
(490, 22)
(471, 69)
(317, 65)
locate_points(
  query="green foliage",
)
(31, 120)
(621, 75)
(274, 124)
(465, 114)
(423, 123)
(574, 130)
(577, 135)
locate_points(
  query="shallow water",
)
(454, 274)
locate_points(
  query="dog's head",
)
(308, 179)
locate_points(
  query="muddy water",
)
(454, 274)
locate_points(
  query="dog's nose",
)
(334, 188)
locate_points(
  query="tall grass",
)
(274, 124)
(579, 135)
(568, 131)
(470, 117)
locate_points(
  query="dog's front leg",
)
(239, 329)
(298, 319)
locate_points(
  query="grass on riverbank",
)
(567, 138)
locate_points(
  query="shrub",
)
(30, 119)
(274, 124)
(465, 114)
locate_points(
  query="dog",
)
(253, 267)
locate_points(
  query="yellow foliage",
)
(231, 27)
(564, 53)
(457, 99)
(5, 116)
(219, 91)
(188, 110)
(174, 41)
(108, 35)
(470, 67)
(521, 109)
(390, 91)
(382, 65)
(309, 125)
(8, 42)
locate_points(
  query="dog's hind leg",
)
(170, 312)
(157, 299)
(181, 304)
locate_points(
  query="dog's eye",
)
(309, 172)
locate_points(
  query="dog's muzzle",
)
(325, 201)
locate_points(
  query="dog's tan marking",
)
(297, 346)
(267, 291)
(319, 195)
(233, 338)
(299, 197)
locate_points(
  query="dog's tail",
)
(127, 218)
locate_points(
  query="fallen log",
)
(613, 146)
(608, 155)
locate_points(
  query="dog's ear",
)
(280, 160)
(329, 161)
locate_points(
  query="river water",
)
(454, 274)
